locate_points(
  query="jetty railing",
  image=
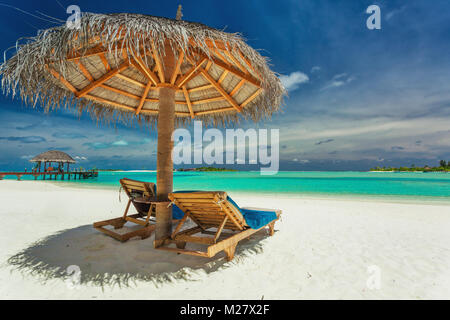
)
(53, 175)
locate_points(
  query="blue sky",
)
(357, 97)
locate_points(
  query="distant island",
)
(206, 169)
(443, 167)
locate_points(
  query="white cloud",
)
(395, 128)
(365, 139)
(339, 76)
(339, 80)
(392, 13)
(315, 69)
(301, 160)
(294, 80)
(120, 143)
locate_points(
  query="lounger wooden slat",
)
(196, 195)
(201, 214)
(223, 234)
(202, 206)
(208, 210)
(217, 215)
(228, 224)
(198, 201)
(204, 214)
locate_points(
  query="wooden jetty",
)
(50, 172)
(53, 175)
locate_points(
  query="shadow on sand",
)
(104, 261)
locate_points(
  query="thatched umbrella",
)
(133, 67)
(53, 156)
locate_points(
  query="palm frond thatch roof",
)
(53, 156)
(111, 67)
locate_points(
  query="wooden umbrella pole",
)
(164, 163)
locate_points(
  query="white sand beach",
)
(322, 249)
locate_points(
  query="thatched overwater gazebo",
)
(151, 70)
(53, 156)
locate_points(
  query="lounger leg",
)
(148, 232)
(118, 224)
(181, 244)
(126, 209)
(230, 252)
(271, 228)
(149, 213)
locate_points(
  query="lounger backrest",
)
(134, 187)
(209, 208)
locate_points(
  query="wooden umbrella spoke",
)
(201, 113)
(222, 77)
(110, 102)
(248, 77)
(131, 80)
(208, 65)
(96, 50)
(102, 79)
(119, 91)
(221, 90)
(190, 57)
(88, 53)
(144, 96)
(59, 77)
(208, 100)
(238, 86)
(212, 44)
(235, 61)
(158, 63)
(200, 88)
(105, 61)
(251, 98)
(188, 101)
(190, 74)
(83, 69)
(241, 55)
(177, 67)
(221, 57)
(140, 65)
(239, 73)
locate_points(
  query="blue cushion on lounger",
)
(177, 213)
(255, 219)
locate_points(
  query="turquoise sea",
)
(420, 186)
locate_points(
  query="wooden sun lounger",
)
(140, 194)
(211, 210)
